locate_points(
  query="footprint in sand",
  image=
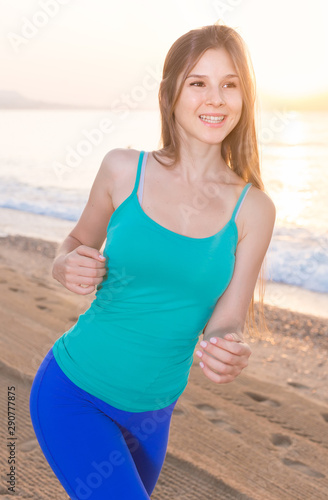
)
(3, 281)
(15, 289)
(207, 409)
(325, 416)
(211, 412)
(299, 466)
(40, 298)
(29, 445)
(262, 399)
(297, 385)
(224, 425)
(43, 307)
(281, 440)
(177, 411)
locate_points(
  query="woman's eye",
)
(197, 84)
(201, 84)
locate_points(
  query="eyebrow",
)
(205, 76)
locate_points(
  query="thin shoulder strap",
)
(142, 176)
(136, 184)
(241, 200)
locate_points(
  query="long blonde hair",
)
(240, 148)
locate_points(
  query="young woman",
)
(187, 228)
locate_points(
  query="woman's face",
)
(210, 103)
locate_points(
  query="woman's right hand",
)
(80, 270)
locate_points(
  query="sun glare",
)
(295, 133)
(289, 52)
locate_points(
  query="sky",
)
(85, 52)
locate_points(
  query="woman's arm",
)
(230, 312)
(78, 265)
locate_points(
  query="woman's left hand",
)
(224, 359)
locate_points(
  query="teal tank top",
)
(133, 348)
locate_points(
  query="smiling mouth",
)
(212, 119)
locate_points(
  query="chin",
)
(214, 141)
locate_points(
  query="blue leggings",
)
(97, 451)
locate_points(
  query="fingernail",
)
(201, 364)
(213, 340)
(199, 354)
(203, 343)
(101, 256)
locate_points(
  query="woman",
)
(176, 258)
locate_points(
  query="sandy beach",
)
(262, 437)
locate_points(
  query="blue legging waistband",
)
(96, 451)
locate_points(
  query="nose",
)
(215, 97)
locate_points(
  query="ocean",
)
(49, 158)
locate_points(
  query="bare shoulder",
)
(258, 214)
(120, 165)
(260, 200)
(120, 160)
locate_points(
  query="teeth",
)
(212, 119)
